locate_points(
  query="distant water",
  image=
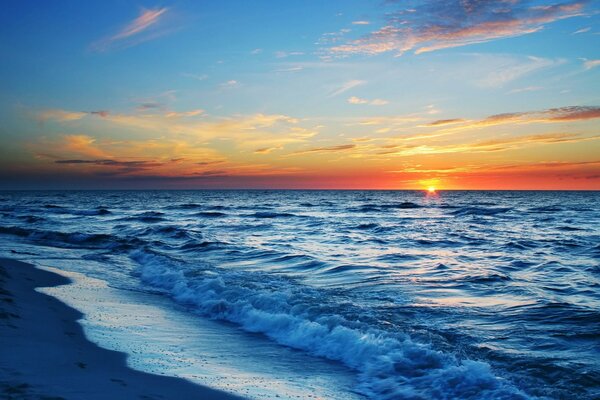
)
(460, 295)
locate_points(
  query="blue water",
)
(459, 295)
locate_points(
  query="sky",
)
(300, 94)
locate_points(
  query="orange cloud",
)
(328, 149)
(83, 145)
(442, 122)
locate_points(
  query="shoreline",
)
(46, 355)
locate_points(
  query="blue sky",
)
(300, 94)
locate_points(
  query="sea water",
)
(353, 294)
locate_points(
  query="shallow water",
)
(455, 295)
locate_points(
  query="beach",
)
(45, 354)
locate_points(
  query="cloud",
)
(192, 113)
(285, 54)
(433, 25)
(508, 69)
(582, 30)
(150, 105)
(442, 122)
(328, 149)
(100, 113)
(232, 83)
(390, 121)
(570, 113)
(589, 64)
(266, 150)
(362, 22)
(290, 69)
(189, 134)
(59, 115)
(346, 86)
(83, 145)
(528, 140)
(525, 89)
(329, 38)
(208, 162)
(198, 77)
(487, 146)
(137, 31)
(374, 102)
(112, 163)
(551, 115)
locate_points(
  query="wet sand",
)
(44, 353)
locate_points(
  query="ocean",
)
(332, 294)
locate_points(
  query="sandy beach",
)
(45, 354)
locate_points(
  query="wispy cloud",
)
(361, 22)
(486, 146)
(230, 84)
(552, 115)
(139, 30)
(198, 77)
(290, 69)
(582, 30)
(374, 102)
(442, 122)
(59, 115)
(192, 113)
(66, 116)
(285, 54)
(345, 87)
(328, 149)
(589, 64)
(433, 25)
(266, 150)
(509, 69)
(561, 114)
(525, 89)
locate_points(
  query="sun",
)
(431, 189)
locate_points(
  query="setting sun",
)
(431, 189)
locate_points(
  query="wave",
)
(186, 206)
(270, 214)
(482, 211)
(72, 239)
(390, 365)
(567, 228)
(439, 243)
(211, 214)
(162, 231)
(367, 226)
(147, 217)
(52, 206)
(97, 211)
(397, 258)
(370, 207)
(206, 245)
(546, 209)
(31, 219)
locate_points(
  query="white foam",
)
(389, 364)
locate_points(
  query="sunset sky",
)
(300, 94)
